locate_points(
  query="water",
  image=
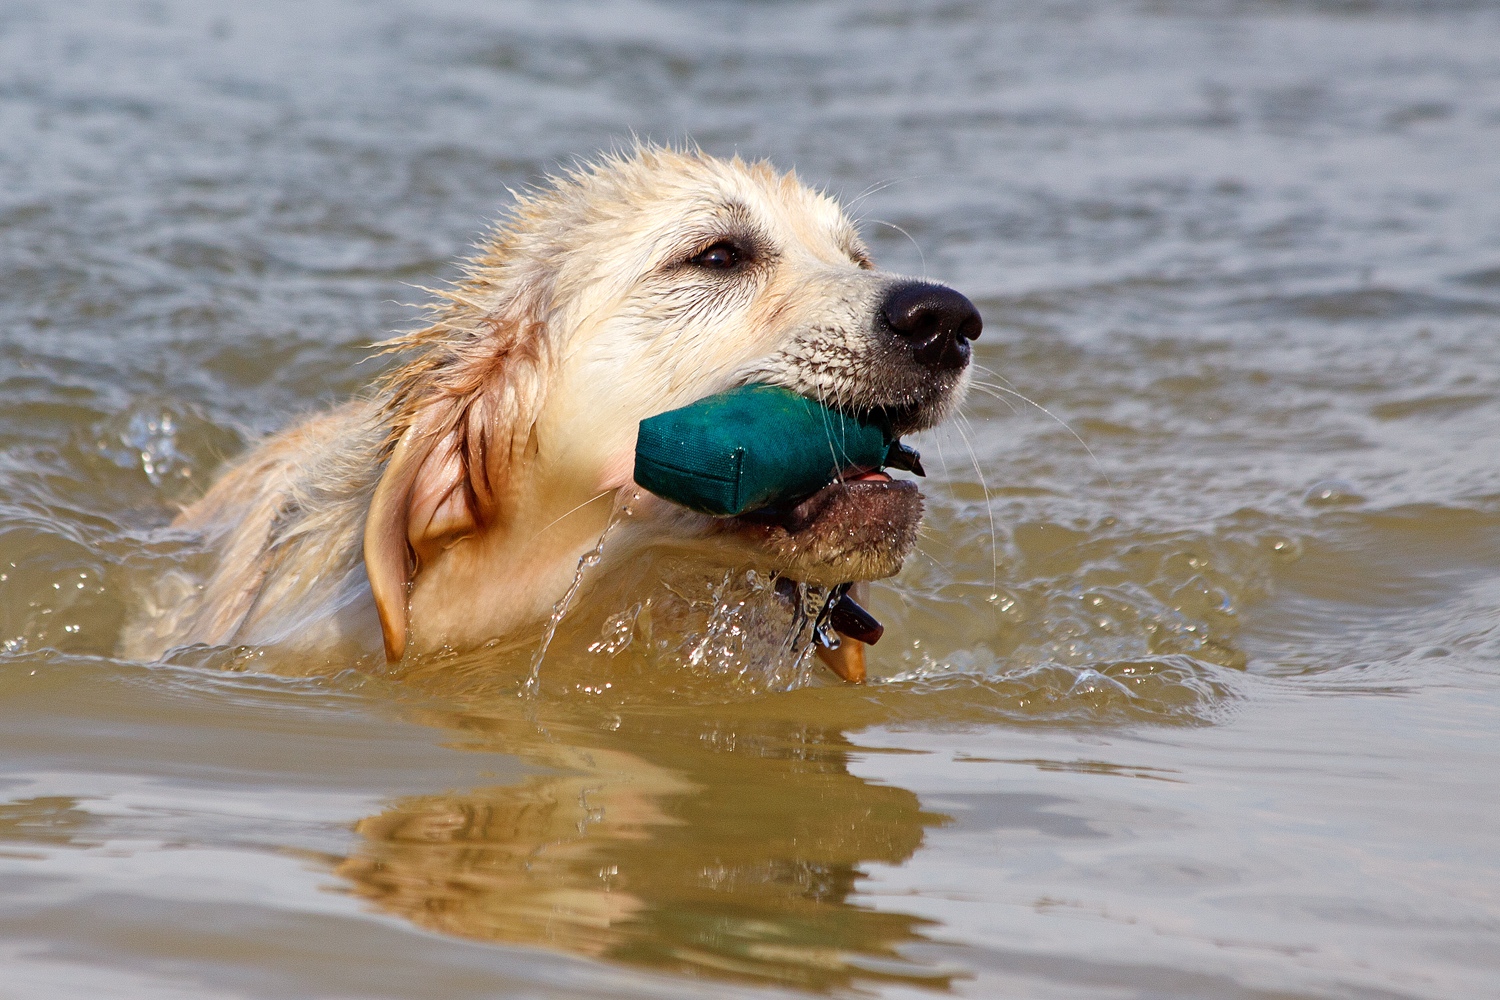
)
(1210, 713)
(586, 562)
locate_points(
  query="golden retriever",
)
(452, 504)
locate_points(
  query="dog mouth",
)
(862, 526)
(798, 483)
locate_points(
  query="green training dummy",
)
(757, 446)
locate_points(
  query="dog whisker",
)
(989, 507)
(1060, 421)
(993, 392)
(892, 225)
(569, 513)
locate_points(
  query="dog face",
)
(625, 291)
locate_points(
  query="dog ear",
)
(436, 489)
(417, 471)
(453, 466)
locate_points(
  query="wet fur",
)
(450, 505)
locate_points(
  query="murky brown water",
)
(1207, 708)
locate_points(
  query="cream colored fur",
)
(451, 505)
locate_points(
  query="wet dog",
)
(451, 505)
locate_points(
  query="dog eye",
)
(721, 256)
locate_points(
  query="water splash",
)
(586, 562)
(747, 631)
(976, 685)
(148, 441)
(739, 638)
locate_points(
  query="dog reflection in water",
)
(523, 863)
(738, 860)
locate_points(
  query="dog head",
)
(619, 292)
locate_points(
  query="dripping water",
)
(586, 562)
(752, 632)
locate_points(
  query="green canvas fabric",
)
(751, 447)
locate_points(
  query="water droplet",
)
(1331, 493)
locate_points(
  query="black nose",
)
(936, 320)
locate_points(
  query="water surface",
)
(1190, 692)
